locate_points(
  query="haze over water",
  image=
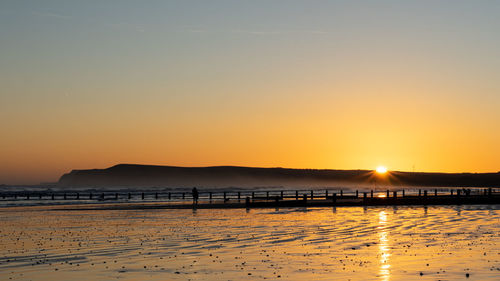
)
(344, 243)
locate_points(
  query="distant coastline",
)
(226, 176)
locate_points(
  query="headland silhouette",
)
(226, 176)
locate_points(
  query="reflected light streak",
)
(384, 253)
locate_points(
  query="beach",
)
(340, 243)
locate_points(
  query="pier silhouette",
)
(259, 199)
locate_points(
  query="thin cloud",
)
(125, 25)
(255, 32)
(271, 32)
(50, 15)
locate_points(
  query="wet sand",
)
(342, 243)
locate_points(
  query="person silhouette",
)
(195, 195)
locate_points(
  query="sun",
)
(381, 170)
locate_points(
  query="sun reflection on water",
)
(384, 253)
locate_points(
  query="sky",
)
(411, 85)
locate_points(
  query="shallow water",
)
(344, 243)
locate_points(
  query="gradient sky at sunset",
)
(413, 85)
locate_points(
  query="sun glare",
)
(381, 170)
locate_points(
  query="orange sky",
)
(89, 88)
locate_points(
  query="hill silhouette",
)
(225, 176)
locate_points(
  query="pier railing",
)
(253, 196)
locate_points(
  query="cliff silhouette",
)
(225, 176)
